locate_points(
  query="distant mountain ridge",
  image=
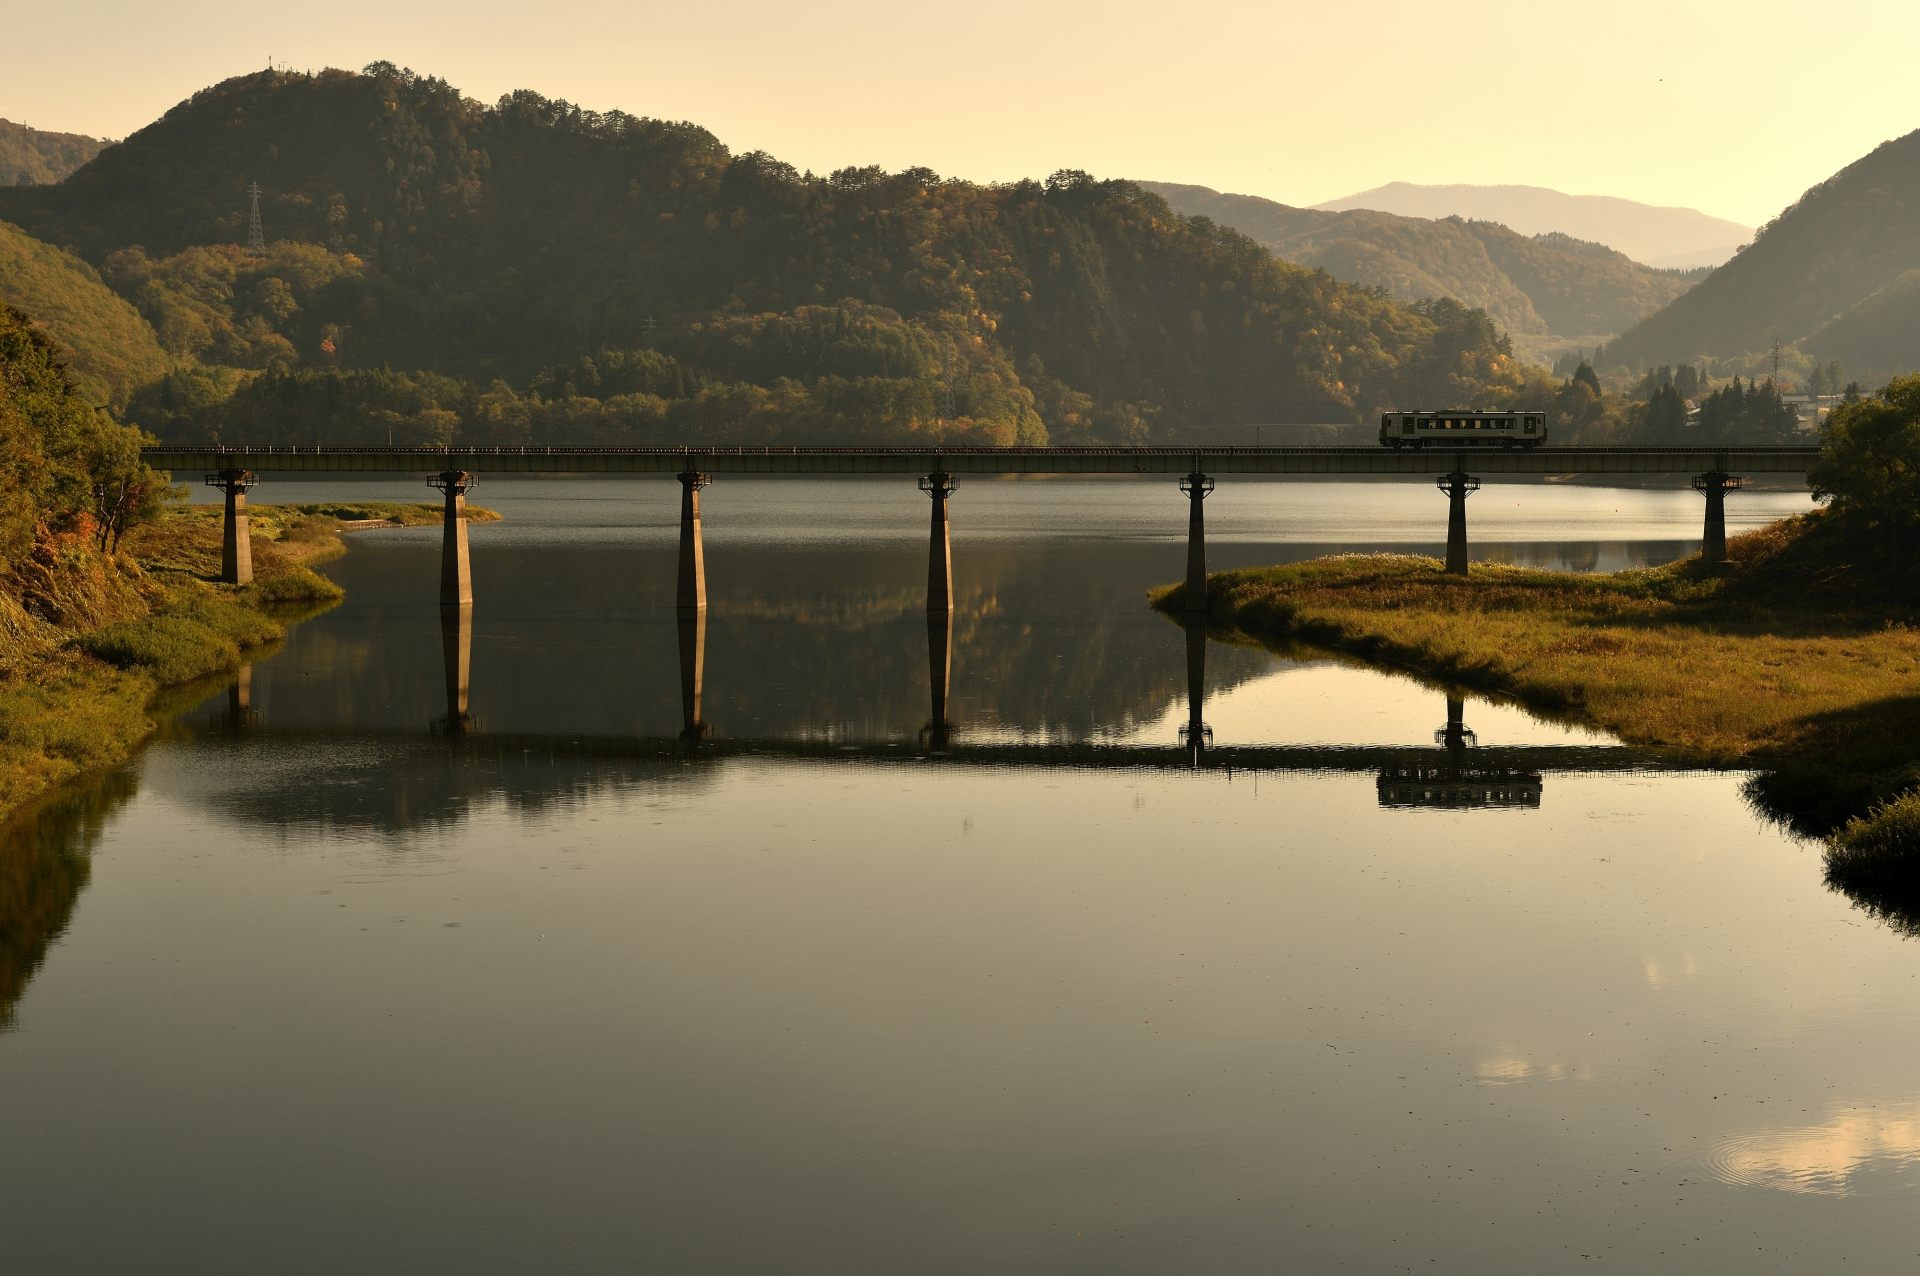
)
(1550, 292)
(1832, 277)
(1665, 238)
(32, 157)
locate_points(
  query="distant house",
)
(1812, 409)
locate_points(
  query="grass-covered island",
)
(1800, 659)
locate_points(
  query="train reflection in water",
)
(1452, 781)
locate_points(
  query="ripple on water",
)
(1828, 1159)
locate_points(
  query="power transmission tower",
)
(1776, 364)
(256, 238)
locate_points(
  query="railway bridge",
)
(1713, 472)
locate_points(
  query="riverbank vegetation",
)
(1801, 657)
(108, 588)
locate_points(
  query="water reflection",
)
(1826, 1159)
(1195, 734)
(1453, 781)
(45, 862)
(240, 699)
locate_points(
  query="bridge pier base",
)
(939, 485)
(1714, 485)
(456, 564)
(1197, 487)
(693, 672)
(1458, 486)
(236, 540)
(691, 597)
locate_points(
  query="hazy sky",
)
(1730, 106)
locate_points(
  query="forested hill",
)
(29, 157)
(108, 348)
(531, 271)
(1549, 291)
(1830, 278)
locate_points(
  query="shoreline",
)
(80, 698)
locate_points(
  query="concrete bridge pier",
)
(236, 541)
(939, 677)
(456, 565)
(1458, 486)
(692, 595)
(1715, 485)
(693, 671)
(456, 649)
(1198, 487)
(939, 485)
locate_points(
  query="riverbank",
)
(1795, 660)
(88, 640)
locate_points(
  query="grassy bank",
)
(87, 640)
(1796, 659)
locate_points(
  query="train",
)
(1463, 428)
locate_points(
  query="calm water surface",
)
(318, 985)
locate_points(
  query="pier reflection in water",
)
(1453, 781)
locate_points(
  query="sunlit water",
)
(336, 990)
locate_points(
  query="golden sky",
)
(1732, 108)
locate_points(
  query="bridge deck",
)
(1014, 460)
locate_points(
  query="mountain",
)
(1551, 292)
(534, 272)
(1830, 278)
(29, 157)
(108, 348)
(1671, 238)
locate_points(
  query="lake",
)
(340, 974)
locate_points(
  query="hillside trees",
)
(61, 459)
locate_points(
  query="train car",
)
(1463, 428)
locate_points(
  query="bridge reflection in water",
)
(1456, 772)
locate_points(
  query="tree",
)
(1664, 418)
(60, 457)
(1869, 468)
